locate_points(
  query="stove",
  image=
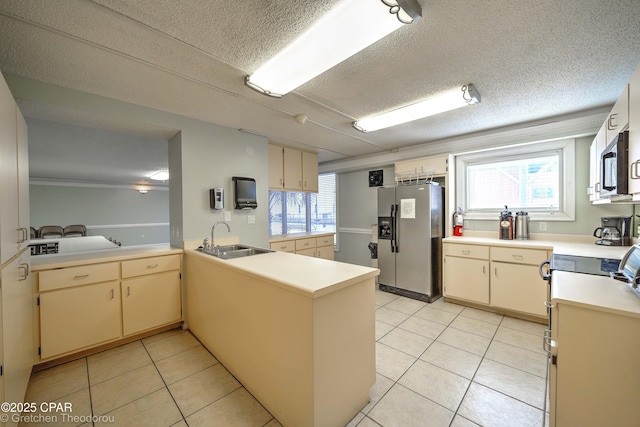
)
(585, 265)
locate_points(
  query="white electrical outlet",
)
(251, 219)
(542, 226)
(227, 215)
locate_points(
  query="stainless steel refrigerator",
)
(410, 230)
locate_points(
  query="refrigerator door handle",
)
(394, 225)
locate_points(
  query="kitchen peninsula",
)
(297, 331)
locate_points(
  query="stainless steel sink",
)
(235, 251)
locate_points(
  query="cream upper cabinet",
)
(276, 167)
(310, 171)
(23, 182)
(618, 118)
(422, 168)
(595, 164)
(291, 169)
(9, 219)
(634, 132)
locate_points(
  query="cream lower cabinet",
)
(466, 272)
(151, 293)
(594, 375)
(324, 247)
(79, 317)
(89, 305)
(318, 247)
(501, 277)
(515, 280)
(16, 328)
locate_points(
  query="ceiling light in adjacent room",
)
(450, 100)
(347, 29)
(161, 175)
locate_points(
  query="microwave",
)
(614, 170)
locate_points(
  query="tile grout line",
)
(471, 381)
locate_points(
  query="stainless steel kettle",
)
(522, 225)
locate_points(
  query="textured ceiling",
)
(530, 61)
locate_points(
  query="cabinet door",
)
(151, 301)
(23, 180)
(310, 171)
(276, 167)
(634, 132)
(307, 252)
(72, 319)
(466, 279)
(618, 119)
(292, 169)
(9, 224)
(325, 252)
(518, 287)
(17, 317)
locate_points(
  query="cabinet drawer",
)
(142, 266)
(324, 241)
(285, 246)
(519, 256)
(76, 276)
(305, 243)
(469, 251)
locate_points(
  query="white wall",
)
(357, 209)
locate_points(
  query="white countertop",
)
(47, 262)
(558, 247)
(595, 292)
(309, 276)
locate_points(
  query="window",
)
(291, 212)
(537, 178)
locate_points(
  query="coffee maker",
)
(614, 231)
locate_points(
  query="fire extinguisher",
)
(458, 221)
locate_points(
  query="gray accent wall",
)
(204, 155)
(357, 211)
(120, 213)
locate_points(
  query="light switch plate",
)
(251, 219)
(227, 215)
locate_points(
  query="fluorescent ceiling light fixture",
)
(161, 175)
(450, 100)
(347, 29)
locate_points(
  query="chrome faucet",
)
(216, 249)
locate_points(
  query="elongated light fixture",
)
(161, 175)
(346, 30)
(450, 100)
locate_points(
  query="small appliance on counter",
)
(614, 231)
(506, 224)
(522, 225)
(629, 271)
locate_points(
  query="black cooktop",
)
(586, 265)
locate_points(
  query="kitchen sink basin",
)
(235, 251)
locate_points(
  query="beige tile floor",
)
(438, 364)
